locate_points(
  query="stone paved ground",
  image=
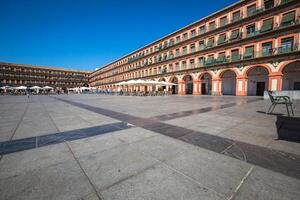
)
(109, 147)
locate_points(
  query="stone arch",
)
(188, 83)
(206, 82)
(258, 80)
(174, 88)
(162, 79)
(228, 81)
(282, 65)
(162, 88)
(223, 71)
(248, 68)
(291, 76)
(206, 72)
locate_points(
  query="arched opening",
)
(291, 76)
(206, 84)
(257, 81)
(188, 84)
(174, 88)
(229, 83)
(162, 88)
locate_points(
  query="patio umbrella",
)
(35, 88)
(122, 83)
(165, 83)
(21, 88)
(47, 88)
(5, 87)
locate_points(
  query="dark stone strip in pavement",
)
(282, 162)
(44, 140)
(201, 110)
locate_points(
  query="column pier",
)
(241, 86)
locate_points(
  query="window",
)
(267, 49)
(267, 25)
(192, 48)
(235, 34)
(170, 67)
(251, 10)
(221, 57)
(201, 61)
(210, 60)
(212, 26)
(249, 52)
(177, 39)
(235, 56)
(222, 39)
(177, 52)
(236, 16)
(210, 42)
(185, 36)
(202, 30)
(223, 21)
(184, 50)
(193, 33)
(285, 1)
(288, 19)
(269, 4)
(286, 45)
(201, 45)
(251, 30)
(183, 64)
(170, 55)
(176, 66)
(192, 63)
(171, 43)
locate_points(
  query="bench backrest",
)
(270, 93)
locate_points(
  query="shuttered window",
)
(222, 39)
(223, 21)
(267, 25)
(235, 55)
(251, 10)
(210, 42)
(210, 59)
(201, 61)
(212, 26)
(201, 45)
(236, 16)
(288, 18)
(249, 52)
(234, 34)
(221, 57)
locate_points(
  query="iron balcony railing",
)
(248, 56)
(267, 6)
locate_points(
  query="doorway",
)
(260, 88)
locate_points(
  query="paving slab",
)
(161, 183)
(220, 173)
(263, 184)
(107, 168)
(29, 160)
(56, 182)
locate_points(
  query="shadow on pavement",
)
(288, 128)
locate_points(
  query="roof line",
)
(170, 34)
(44, 67)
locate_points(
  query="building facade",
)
(28, 75)
(244, 49)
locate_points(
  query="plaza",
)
(93, 147)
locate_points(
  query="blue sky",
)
(85, 34)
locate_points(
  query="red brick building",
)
(244, 49)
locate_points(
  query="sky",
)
(88, 34)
